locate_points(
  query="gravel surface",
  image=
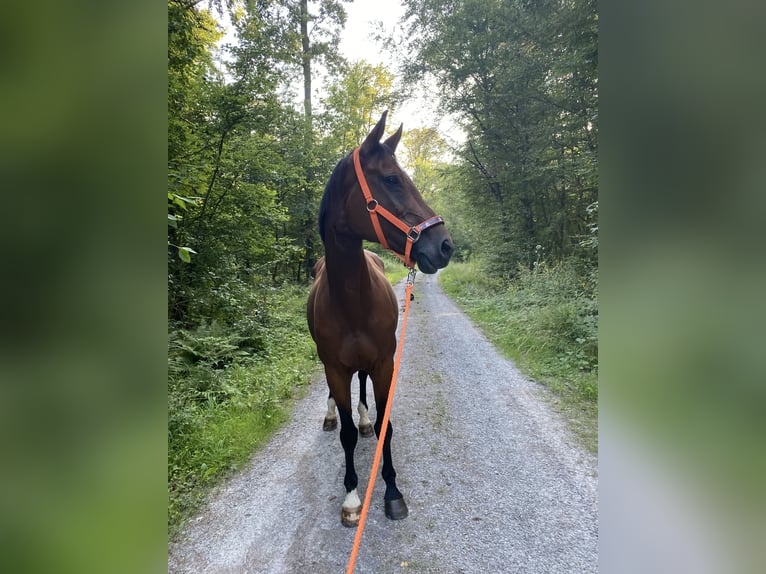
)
(493, 480)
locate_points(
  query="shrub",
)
(227, 389)
(563, 308)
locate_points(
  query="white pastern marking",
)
(364, 419)
(330, 409)
(352, 501)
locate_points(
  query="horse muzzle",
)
(433, 250)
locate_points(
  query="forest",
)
(255, 128)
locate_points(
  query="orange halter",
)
(412, 233)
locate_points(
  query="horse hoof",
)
(396, 509)
(330, 424)
(366, 430)
(350, 516)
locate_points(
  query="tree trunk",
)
(309, 127)
(306, 57)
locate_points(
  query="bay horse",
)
(352, 310)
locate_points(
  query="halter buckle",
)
(413, 234)
(372, 205)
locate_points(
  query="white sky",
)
(357, 43)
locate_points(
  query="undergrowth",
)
(228, 389)
(546, 320)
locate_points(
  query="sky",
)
(357, 43)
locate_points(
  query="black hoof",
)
(396, 509)
(366, 431)
(330, 424)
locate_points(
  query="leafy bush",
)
(209, 345)
(564, 310)
(228, 387)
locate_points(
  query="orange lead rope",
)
(383, 429)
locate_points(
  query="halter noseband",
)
(412, 233)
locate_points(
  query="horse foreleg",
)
(352, 507)
(330, 419)
(395, 507)
(365, 425)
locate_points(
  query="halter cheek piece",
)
(375, 209)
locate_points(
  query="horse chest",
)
(355, 340)
(358, 351)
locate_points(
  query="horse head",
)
(407, 225)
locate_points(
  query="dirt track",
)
(493, 481)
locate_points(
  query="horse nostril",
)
(447, 248)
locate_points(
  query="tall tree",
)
(424, 155)
(306, 62)
(523, 77)
(319, 36)
(319, 24)
(225, 163)
(191, 37)
(354, 100)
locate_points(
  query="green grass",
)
(546, 321)
(224, 405)
(395, 269)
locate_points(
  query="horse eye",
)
(392, 180)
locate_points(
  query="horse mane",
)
(331, 193)
(333, 189)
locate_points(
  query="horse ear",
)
(393, 141)
(373, 138)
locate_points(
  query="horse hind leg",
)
(365, 425)
(330, 419)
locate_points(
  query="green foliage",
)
(546, 319)
(239, 197)
(227, 389)
(521, 77)
(424, 151)
(354, 103)
(394, 268)
(521, 199)
(448, 200)
(210, 346)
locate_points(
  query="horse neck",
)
(346, 268)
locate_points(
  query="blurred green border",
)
(682, 282)
(83, 360)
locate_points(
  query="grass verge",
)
(546, 322)
(395, 269)
(225, 398)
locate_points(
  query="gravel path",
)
(493, 481)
